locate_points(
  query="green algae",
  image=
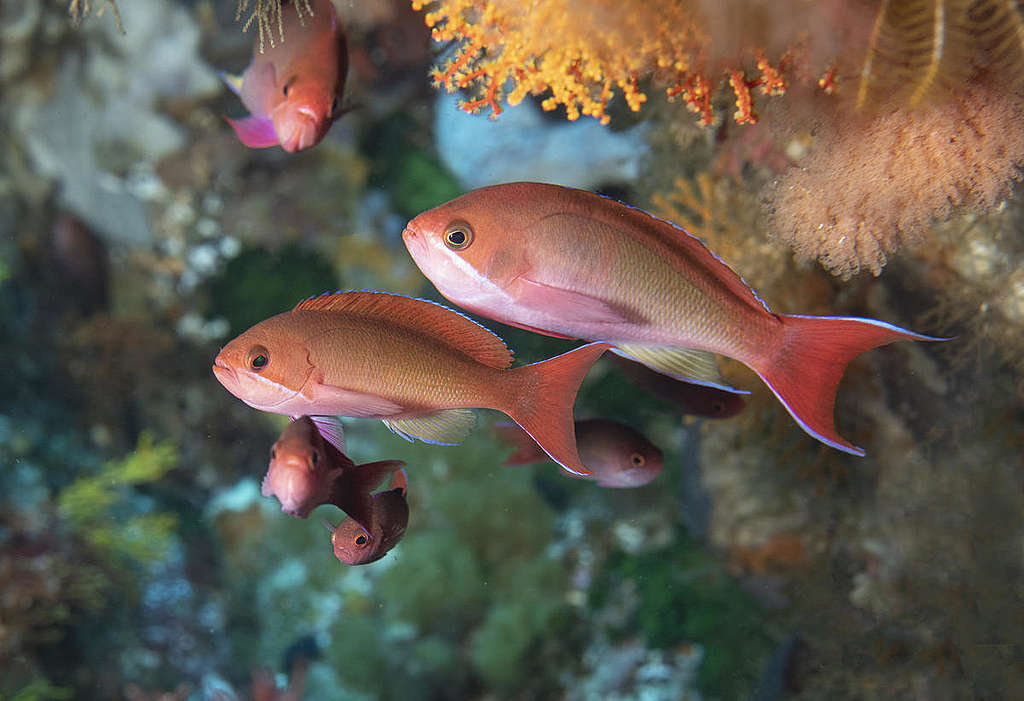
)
(685, 597)
(257, 284)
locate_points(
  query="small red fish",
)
(418, 366)
(308, 469)
(570, 263)
(617, 454)
(293, 89)
(358, 544)
(687, 397)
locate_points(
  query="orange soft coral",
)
(874, 183)
(582, 53)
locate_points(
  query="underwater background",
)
(828, 152)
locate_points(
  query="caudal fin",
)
(542, 404)
(809, 361)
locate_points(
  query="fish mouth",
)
(416, 244)
(224, 374)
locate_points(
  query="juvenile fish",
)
(617, 455)
(308, 469)
(358, 544)
(418, 366)
(570, 263)
(293, 88)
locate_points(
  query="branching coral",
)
(873, 185)
(583, 52)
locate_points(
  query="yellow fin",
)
(685, 364)
(448, 427)
(438, 321)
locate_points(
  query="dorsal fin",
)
(447, 325)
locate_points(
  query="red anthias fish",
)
(418, 366)
(308, 469)
(686, 397)
(358, 544)
(293, 88)
(570, 263)
(617, 454)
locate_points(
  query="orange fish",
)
(293, 89)
(571, 263)
(308, 467)
(358, 544)
(617, 454)
(417, 365)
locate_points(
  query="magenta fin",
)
(255, 132)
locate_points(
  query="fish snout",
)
(305, 128)
(225, 374)
(414, 242)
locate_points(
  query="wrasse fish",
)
(618, 455)
(687, 397)
(570, 263)
(308, 469)
(358, 544)
(417, 365)
(293, 89)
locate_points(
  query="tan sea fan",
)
(874, 183)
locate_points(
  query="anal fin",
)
(685, 364)
(447, 427)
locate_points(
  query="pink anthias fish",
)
(418, 366)
(358, 544)
(570, 263)
(617, 454)
(308, 469)
(293, 88)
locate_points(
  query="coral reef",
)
(901, 168)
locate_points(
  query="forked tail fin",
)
(544, 394)
(809, 361)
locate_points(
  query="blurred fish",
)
(308, 469)
(293, 89)
(571, 263)
(80, 265)
(687, 397)
(618, 455)
(419, 366)
(358, 544)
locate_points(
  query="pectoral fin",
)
(234, 82)
(448, 427)
(255, 132)
(686, 364)
(565, 303)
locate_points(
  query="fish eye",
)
(316, 456)
(273, 453)
(361, 540)
(458, 236)
(285, 89)
(637, 460)
(258, 358)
